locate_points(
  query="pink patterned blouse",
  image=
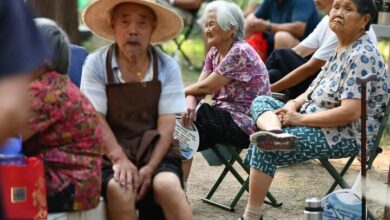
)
(67, 138)
(249, 79)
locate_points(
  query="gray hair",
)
(366, 7)
(58, 42)
(229, 16)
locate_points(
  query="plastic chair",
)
(227, 155)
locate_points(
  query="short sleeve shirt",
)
(249, 78)
(67, 138)
(337, 81)
(325, 41)
(290, 11)
(94, 80)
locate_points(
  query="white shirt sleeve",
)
(93, 83)
(331, 42)
(372, 36)
(317, 37)
(327, 48)
(172, 99)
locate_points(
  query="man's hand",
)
(190, 116)
(253, 25)
(145, 179)
(125, 173)
(250, 21)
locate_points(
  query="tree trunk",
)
(387, 205)
(64, 12)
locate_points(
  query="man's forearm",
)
(111, 148)
(303, 51)
(165, 126)
(298, 75)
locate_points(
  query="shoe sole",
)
(270, 142)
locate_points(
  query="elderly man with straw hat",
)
(137, 90)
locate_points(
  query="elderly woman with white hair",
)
(233, 74)
(63, 130)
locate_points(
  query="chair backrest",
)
(77, 57)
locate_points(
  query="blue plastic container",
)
(10, 152)
(11, 146)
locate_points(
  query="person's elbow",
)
(351, 114)
(207, 89)
(354, 116)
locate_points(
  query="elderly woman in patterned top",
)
(233, 74)
(324, 121)
(63, 130)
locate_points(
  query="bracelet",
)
(269, 26)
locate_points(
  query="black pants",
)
(281, 62)
(217, 126)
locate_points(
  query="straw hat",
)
(97, 16)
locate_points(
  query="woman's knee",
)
(265, 103)
(263, 100)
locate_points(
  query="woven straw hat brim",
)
(97, 18)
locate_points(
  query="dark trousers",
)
(217, 126)
(281, 62)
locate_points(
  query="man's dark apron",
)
(132, 113)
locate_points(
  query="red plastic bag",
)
(23, 190)
(258, 43)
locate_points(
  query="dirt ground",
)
(291, 186)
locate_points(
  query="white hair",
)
(229, 17)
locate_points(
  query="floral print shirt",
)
(337, 81)
(67, 138)
(249, 79)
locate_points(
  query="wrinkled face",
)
(344, 18)
(323, 5)
(215, 36)
(133, 26)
